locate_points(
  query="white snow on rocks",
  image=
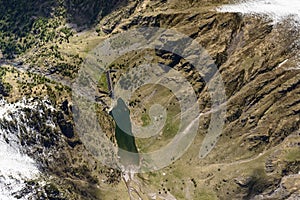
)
(15, 166)
(277, 10)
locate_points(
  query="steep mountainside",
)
(257, 154)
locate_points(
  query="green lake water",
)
(123, 132)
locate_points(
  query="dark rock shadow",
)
(84, 14)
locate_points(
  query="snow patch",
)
(15, 166)
(277, 10)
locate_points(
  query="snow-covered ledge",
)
(277, 10)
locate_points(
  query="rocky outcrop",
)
(35, 128)
(4, 91)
